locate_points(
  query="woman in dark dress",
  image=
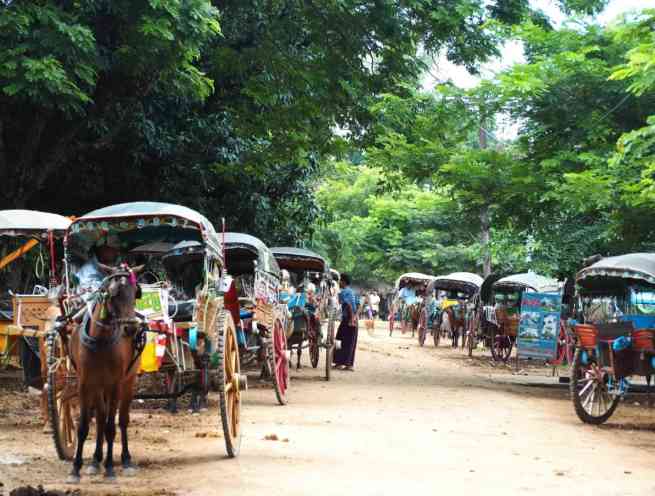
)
(347, 332)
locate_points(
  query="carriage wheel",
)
(229, 386)
(329, 350)
(592, 401)
(471, 340)
(472, 334)
(314, 350)
(279, 362)
(501, 348)
(63, 399)
(422, 328)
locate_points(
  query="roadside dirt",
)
(409, 420)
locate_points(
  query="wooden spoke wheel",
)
(314, 336)
(591, 398)
(329, 349)
(229, 381)
(63, 398)
(422, 327)
(501, 348)
(279, 362)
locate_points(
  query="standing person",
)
(375, 304)
(347, 332)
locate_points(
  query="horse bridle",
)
(133, 327)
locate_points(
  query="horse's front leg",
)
(101, 419)
(82, 433)
(124, 421)
(110, 432)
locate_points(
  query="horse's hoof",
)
(129, 471)
(73, 479)
(92, 470)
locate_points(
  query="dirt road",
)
(409, 420)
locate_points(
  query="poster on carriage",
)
(539, 325)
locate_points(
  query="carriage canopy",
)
(528, 281)
(299, 259)
(464, 282)
(141, 223)
(413, 277)
(32, 223)
(619, 270)
(242, 249)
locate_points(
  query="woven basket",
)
(587, 336)
(206, 310)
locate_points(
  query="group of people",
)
(370, 308)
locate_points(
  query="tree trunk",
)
(485, 220)
(485, 238)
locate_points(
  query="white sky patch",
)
(512, 53)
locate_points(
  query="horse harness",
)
(134, 328)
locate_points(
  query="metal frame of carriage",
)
(303, 262)
(203, 345)
(603, 359)
(498, 330)
(460, 282)
(260, 315)
(32, 314)
(416, 278)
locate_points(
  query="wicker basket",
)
(264, 314)
(206, 310)
(643, 340)
(587, 336)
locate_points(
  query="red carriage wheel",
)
(279, 362)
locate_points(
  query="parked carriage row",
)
(212, 305)
(606, 333)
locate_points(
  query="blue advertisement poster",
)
(539, 325)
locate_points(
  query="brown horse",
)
(105, 349)
(457, 321)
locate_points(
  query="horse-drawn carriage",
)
(406, 303)
(446, 307)
(97, 346)
(497, 311)
(310, 278)
(259, 315)
(26, 311)
(615, 329)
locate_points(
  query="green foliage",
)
(379, 236)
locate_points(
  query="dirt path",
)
(410, 420)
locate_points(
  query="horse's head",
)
(120, 291)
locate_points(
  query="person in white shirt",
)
(90, 275)
(374, 299)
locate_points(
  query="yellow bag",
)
(149, 361)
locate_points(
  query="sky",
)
(512, 52)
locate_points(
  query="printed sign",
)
(539, 325)
(150, 303)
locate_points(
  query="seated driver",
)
(106, 252)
